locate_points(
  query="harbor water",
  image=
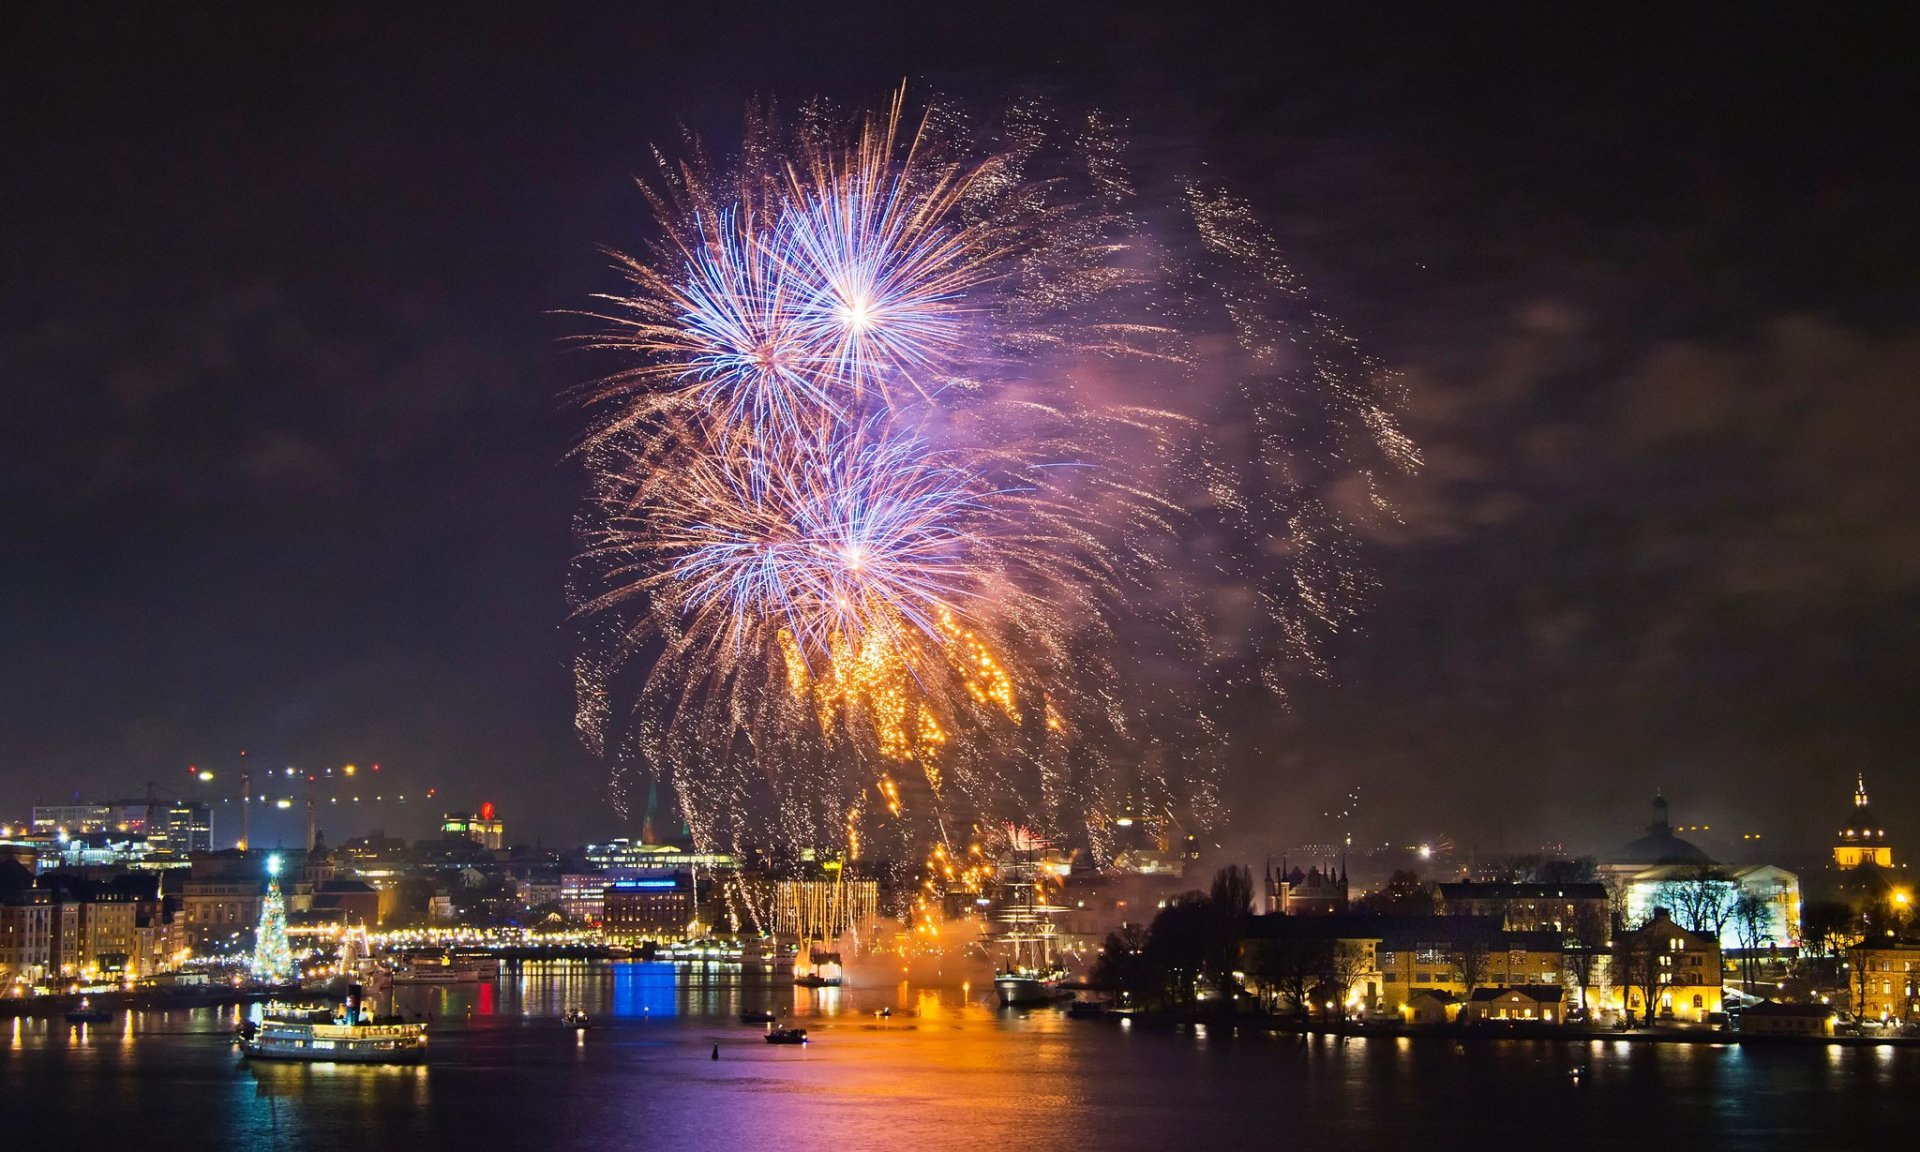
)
(945, 1069)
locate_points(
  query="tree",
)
(1701, 900)
(1404, 894)
(1586, 941)
(1178, 947)
(1862, 982)
(1289, 967)
(1579, 870)
(1827, 929)
(1752, 917)
(1470, 965)
(1123, 971)
(272, 955)
(1636, 964)
(1231, 903)
(1346, 962)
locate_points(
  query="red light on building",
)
(486, 810)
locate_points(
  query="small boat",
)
(757, 1017)
(884, 1013)
(1086, 1010)
(810, 980)
(787, 1036)
(576, 1018)
(86, 1013)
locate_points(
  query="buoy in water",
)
(716, 1051)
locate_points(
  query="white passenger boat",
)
(350, 1039)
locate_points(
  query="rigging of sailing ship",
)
(1023, 924)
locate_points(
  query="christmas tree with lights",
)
(272, 955)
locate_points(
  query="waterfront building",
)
(1522, 1004)
(1425, 1007)
(96, 922)
(1679, 971)
(26, 927)
(1770, 1019)
(1385, 961)
(659, 909)
(583, 896)
(1884, 980)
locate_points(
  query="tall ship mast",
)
(1023, 923)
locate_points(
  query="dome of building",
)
(1859, 825)
(1660, 845)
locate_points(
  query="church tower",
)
(1861, 839)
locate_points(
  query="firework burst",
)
(916, 460)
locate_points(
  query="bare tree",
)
(1636, 964)
(1289, 968)
(1752, 916)
(1586, 942)
(1346, 963)
(1470, 965)
(1862, 982)
(1701, 900)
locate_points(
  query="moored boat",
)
(86, 1013)
(1025, 987)
(787, 1036)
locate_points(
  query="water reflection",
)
(944, 1070)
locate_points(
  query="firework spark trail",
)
(864, 494)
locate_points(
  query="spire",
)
(1860, 791)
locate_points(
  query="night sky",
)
(283, 452)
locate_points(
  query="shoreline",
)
(163, 1000)
(1462, 1033)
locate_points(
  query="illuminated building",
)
(1770, 1019)
(1682, 969)
(1389, 960)
(623, 853)
(1883, 981)
(1522, 1004)
(1660, 870)
(220, 900)
(1564, 908)
(483, 829)
(1312, 892)
(97, 922)
(657, 908)
(1862, 839)
(26, 926)
(583, 896)
(181, 827)
(1865, 870)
